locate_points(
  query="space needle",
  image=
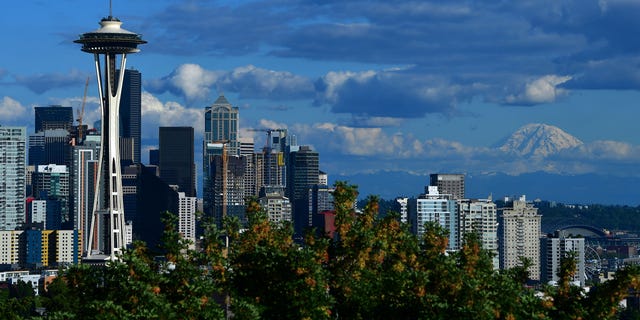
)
(109, 43)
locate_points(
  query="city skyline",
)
(414, 87)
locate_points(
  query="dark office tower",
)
(154, 157)
(176, 158)
(448, 183)
(146, 198)
(303, 172)
(130, 116)
(53, 117)
(50, 146)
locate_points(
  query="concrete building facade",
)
(519, 232)
(13, 154)
(480, 216)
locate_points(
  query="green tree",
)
(271, 276)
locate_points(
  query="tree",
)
(271, 276)
(373, 269)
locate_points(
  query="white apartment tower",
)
(480, 216)
(439, 208)
(519, 231)
(187, 218)
(277, 207)
(13, 143)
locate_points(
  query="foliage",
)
(373, 268)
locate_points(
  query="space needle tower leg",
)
(110, 41)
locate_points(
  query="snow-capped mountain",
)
(539, 140)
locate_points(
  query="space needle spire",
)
(111, 44)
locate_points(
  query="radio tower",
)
(111, 43)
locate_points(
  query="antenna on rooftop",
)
(110, 8)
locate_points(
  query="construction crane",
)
(268, 150)
(268, 131)
(81, 111)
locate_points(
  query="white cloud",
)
(375, 142)
(610, 150)
(542, 90)
(11, 111)
(334, 80)
(190, 81)
(194, 81)
(253, 82)
(156, 113)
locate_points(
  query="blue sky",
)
(418, 86)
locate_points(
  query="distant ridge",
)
(539, 140)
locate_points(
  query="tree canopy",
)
(373, 268)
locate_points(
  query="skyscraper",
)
(50, 146)
(177, 165)
(13, 152)
(130, 115)
(220, 142)
(187, 218)
(448, 183)
(519, 232)
(479, 216)
(110, 41)
(51, 183)
(439, 208)
(84, 175)
(303, 172)
(53, 117)
(554, 248)
(221, 125)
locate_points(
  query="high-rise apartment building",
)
(130, 116)
(13, 153)
(277, 206)
(51, 183)
(479, 216)
(187, 218)
(519, 232)
(177, 166)
(448, 183)
(38, 212)
(439, 208)
(554, 248)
